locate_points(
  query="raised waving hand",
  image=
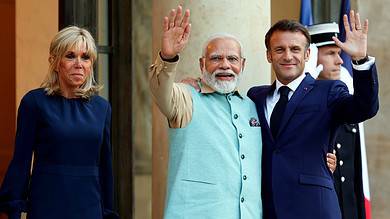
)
(355, 43)
(176, 32)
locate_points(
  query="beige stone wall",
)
(141, 104)
(142, 58)
(281, 9)
(36, 24)
(378, 129)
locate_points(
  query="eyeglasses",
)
(232, 59)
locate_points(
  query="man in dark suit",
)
(300, 116)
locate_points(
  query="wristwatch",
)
(360, 61)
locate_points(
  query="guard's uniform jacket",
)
(348, 174)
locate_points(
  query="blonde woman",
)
(67, 127)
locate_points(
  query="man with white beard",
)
(215, 136)
(214, 79)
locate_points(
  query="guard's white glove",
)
(311, 64)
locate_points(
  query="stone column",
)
(248, 20)
(377, 128)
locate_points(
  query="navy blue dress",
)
(71, 176)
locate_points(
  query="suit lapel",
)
(304, 88)
(262, 98)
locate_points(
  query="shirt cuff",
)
(163, 66)
(366, 66)
(174, 59)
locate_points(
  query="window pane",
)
(102, 39)
(102, 74)
(326, 11)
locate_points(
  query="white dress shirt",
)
(273, 98)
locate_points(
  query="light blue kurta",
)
(215, 161)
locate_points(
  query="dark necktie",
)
(277, 113)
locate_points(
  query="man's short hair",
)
(321, 34)
(221, 36)
(287, 25)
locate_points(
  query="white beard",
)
(221, 86)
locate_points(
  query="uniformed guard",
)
(349, 175)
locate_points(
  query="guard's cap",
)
(321, 34)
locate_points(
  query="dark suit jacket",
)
(296, 182)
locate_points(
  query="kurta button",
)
(338, 145)
(242, 199)
(342, 179)
(242, 156)
(240, 135)
(229, 98)
(341, 162)
(354, 130)
(235, 116)
(244, 177)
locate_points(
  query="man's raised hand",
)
(355, 43)
(176, 32)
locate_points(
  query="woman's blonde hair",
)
(67, 39)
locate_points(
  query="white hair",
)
(221, 36)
